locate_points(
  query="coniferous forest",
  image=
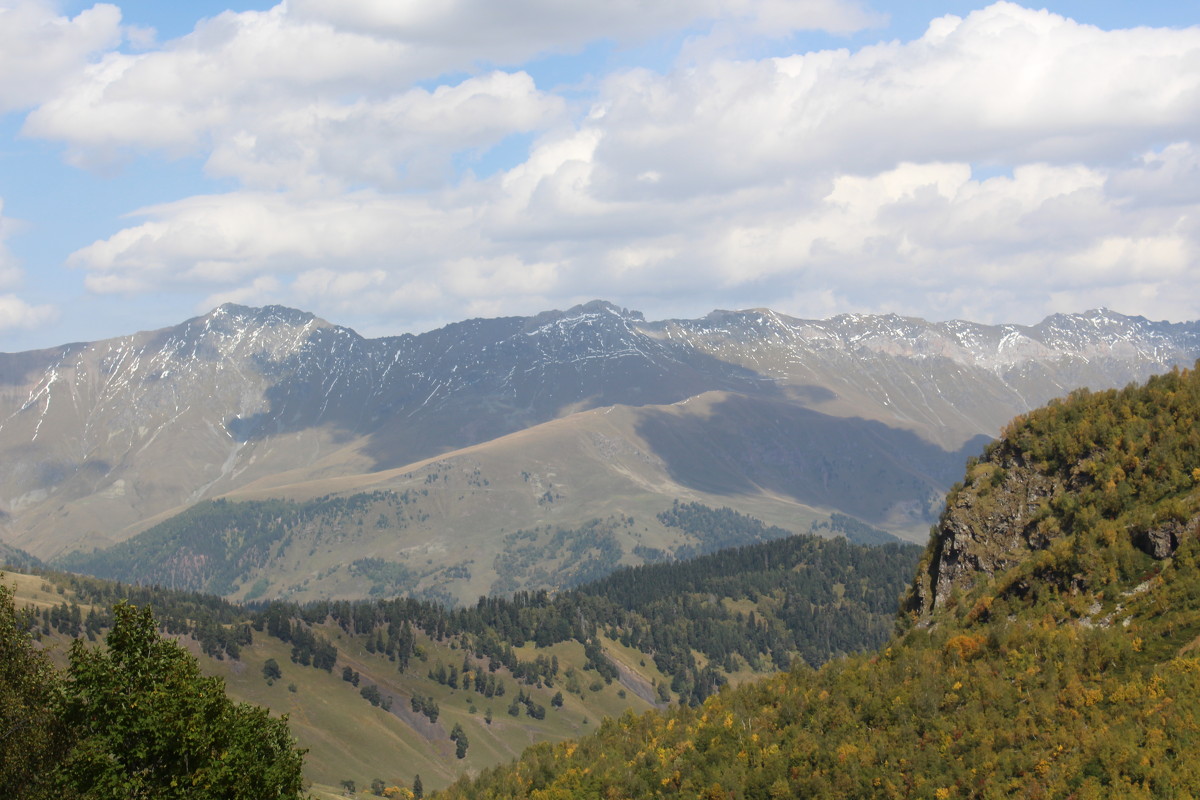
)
(756, 608)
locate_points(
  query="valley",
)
(373, 689)
(388, 670)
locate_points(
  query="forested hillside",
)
(1048, 649)
(469, 687)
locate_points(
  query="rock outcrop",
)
(991, 523)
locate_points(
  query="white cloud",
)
(15, 313)
(301, 83)
(223, 239)
(320, 284)
(922, 235)
(479, 31)
(233, 68)
(260, 291)
(841, 180)
(1003, 85)
(278, 102)
(407, 140)
(41, 51)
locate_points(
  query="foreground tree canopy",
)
(136, 719)
(32, 736)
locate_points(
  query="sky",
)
(394, 166)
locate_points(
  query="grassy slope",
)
(350, 739)
(347, 738)
(590, 465)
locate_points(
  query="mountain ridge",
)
(98, 438)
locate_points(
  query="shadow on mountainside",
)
(456, 388)
(861, 467)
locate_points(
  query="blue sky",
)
(394, 167)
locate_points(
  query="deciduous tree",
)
(150, 725)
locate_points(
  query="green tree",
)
(459, 737)
(371, 694)
(271, 670)
(32, 737)
(150, 725)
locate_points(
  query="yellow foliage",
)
(1188, 666)
(965, 646)
(846, 750)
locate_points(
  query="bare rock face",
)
(992, 524)
(989, 525)
(1163, 541)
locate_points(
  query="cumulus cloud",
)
(227, 239)
(482, 31)
(231, 70)
(15, 313)
(1004, 85)
(273, 101)
(917, 234)
(40, 50)
(301, 83)
(996, 166)
(405, 141)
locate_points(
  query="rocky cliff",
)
(1100, 478)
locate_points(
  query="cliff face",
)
(1099, 479)
(989, 525)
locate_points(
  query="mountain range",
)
(454, 461)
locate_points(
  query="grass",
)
(594, 464)
(349, 739)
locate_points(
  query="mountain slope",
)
(98, 440)
(473, 522)
(1048, 648)
(375, 688)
